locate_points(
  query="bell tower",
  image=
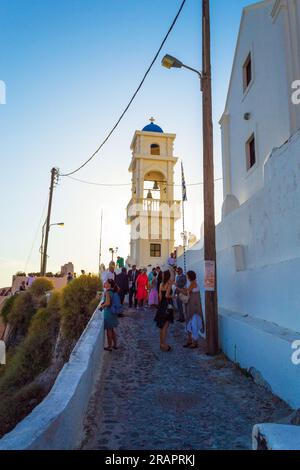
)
(152, 211)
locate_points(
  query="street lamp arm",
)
(60, 224)
(193, 70)
(170, 62)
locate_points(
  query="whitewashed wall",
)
(267, 291)
(270, 36)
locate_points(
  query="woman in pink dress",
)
(142, 285)
(153, 296)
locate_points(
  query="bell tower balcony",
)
(140, 207)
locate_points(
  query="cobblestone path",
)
(183, 400)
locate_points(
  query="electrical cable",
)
(117, 185)
(133, 97)
(35, 236)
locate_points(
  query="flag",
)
(184, 195)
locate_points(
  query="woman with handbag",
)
(110, 318)
(194, 313)
(165, 312)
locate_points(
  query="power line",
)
(117, 185)
(35, 237)
(134, 95)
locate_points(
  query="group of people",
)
(166, 291)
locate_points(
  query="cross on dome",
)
(153, 127)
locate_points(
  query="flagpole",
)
(183, 187)
(184, 238)
(100, 244)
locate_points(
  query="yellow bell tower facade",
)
(152, 211)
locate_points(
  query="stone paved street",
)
(183, 400)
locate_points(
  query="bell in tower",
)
(152, 210)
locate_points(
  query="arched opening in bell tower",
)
(155, 186)
(155, 149)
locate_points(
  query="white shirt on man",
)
(108, 275)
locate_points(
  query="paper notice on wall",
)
(210, 276)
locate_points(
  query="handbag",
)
(184, 298)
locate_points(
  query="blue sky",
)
(70, 67)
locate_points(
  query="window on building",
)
(155, 250)
(155, 149)
(250, 152)
(247, 72)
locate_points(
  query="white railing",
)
(138, 207)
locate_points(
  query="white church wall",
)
(266, 293)
(267, 99)
(268, 227)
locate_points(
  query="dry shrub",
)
(21, 312)
(34, 354)
(77, 306)
(7, 307)
(15, 407)
(20, 386)
(40, 286)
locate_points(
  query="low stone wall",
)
(57, 422)
(276, 437)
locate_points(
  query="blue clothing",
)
(181, 281)
(110, 319)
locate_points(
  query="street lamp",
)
(211, 303)
(43, 250)
(171, 62)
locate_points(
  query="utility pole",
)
(42, 247)
(211, 302)
(54, 175)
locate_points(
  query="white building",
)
(152, 210)
(258, 240)
(259, 114)
(67, 268)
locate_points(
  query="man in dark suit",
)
(159, 277)
(132, 277)
(123, 284)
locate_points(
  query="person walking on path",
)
(153, 296)
(110, 273)
(132, 277)
(172, 266)
(142, 287)
(194, 313)
(159, 277)
(165, 312)
(123, 284)
(22, 287)
(171, 260)
(120, 262)
(150, 276)
(110, 319)
(180, 283)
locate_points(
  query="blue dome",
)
(153, 128)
